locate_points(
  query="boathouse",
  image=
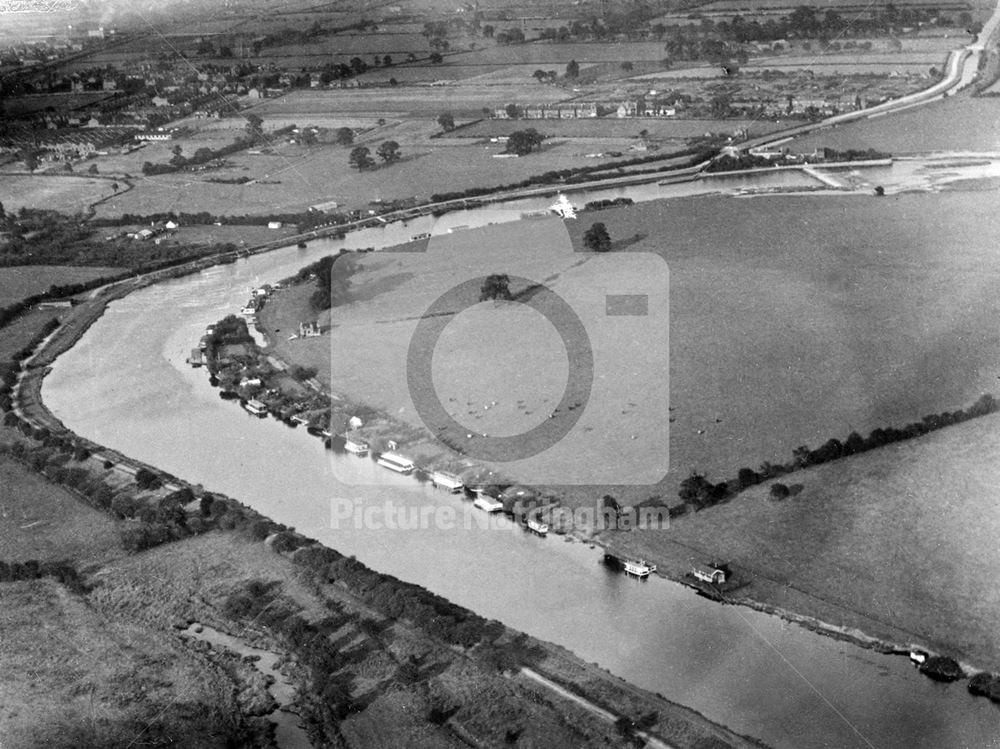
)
(709, 573)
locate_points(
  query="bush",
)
(125, 506)
(144, 535)
(779, 491)
(146, 479)
(286, 541)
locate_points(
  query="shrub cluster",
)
(32, 569)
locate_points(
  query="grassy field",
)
(613, 127)
(18, 282)
(963, 125)
(419, 101)
(68, 193)
(40, 520)
(819, 316)
(20, 332)
(78, 677)
(900, 540)
(297, 177)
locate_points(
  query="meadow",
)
(794, 319)
(613, 127)
(18, 282)
(964, 124)
(292, 177)
(898, 542)
(67, 193)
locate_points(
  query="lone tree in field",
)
(597, 238)
(30, 158)
(361, 158)
(345, 136)
(388, 151)
(496, 286)
(446, 121)
(255, 127)
(572, 69)
(523, 142)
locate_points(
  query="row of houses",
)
(800, 105)
(69, 143)
(634, 107)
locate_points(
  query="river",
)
(126, 385)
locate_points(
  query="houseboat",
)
(537, 526)
(448, 481)
(255, 407)
(486, 503)
(355, 445)
(639, 568)
(396, 462)
(195, 360)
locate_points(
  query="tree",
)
(308, 137)
(361, 158)
(627, 66)
(496, 286)
(387, 60)
(344, 136)
(446, 121)
(92, 169)
(388, 151)
(436, 58)
(513, 111)
(114, 186)
(523, 142)
(540, 75)
(30, 158)
(572, 69)
(597, 238)
(254, 127)
(488, 31)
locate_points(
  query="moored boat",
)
(537, 526)
(639, 568)
(256, 407)
(396, 462)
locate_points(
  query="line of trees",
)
(698, 492)
(178, 161)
